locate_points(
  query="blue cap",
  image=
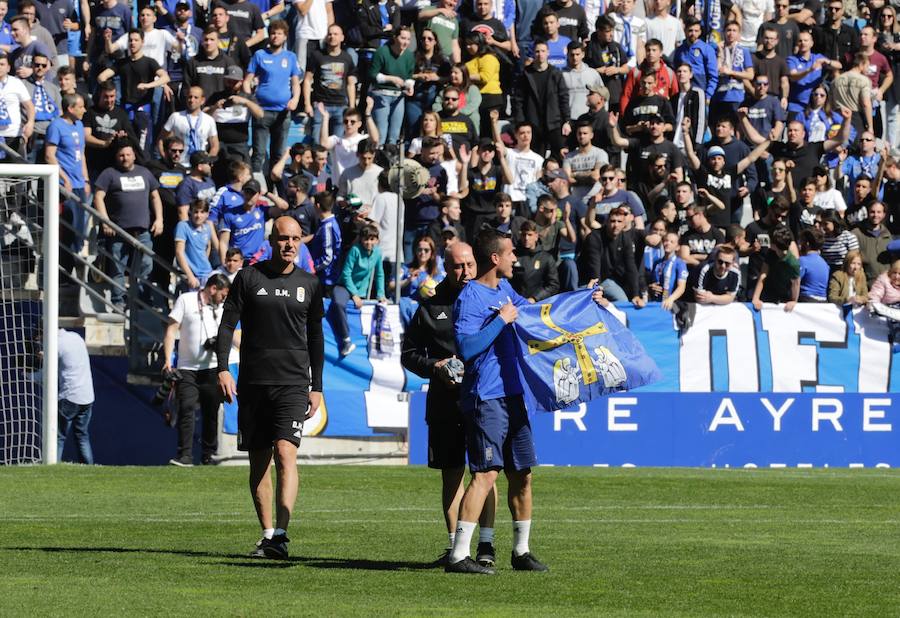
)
(715, 151)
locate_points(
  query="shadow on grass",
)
(334, 563)
(242, 560)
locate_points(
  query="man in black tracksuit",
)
(282, 355)
(534, 273)
(428, 346)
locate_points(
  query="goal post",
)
(13, 178)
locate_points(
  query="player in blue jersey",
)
(498, 434)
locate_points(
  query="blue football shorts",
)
(498, 435)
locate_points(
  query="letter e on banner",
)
(871, 414)
(617, 411)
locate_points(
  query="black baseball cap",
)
(252, 187)
(486, 144)
(200, 157)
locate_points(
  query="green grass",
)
(641, 542)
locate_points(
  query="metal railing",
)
(144, 322)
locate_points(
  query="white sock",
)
(268, 533)
(279, 531)
(452, 536)
(462, 544)
(521, 530)
(486, 535)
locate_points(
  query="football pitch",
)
(649, 542)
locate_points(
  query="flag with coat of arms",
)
(574, 350)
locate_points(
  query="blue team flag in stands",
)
(574, 351)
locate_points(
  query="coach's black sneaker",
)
(485, 556)
(182, 462)
(467, 565)
(276, 547)
(527, 562)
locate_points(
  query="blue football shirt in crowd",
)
(274, 72)
(248, 232)
(69, 142)
(667, 272)
(224, 200)
(801, 89)
(814, 276)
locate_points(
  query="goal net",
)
(29, 236)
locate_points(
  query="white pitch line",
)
(434, 521)
(219, 515)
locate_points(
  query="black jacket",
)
(550, 109)
(838, 44)
(372, 34)
(691, 110)
(428, 339)
(534, 274)
(610, 258)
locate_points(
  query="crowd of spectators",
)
(705, 151)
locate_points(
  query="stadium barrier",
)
(813, 387)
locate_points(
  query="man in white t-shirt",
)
(665, 27)
(194, 127)
(311, 26)
(194, 321)
(524, 164)
(343, 149)
(157, 43)
(14, 99)
(753, 14)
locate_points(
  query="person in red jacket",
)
(666, 82)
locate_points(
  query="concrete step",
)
(105, 335)
(378, 450)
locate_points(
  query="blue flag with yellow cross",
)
(574, 350)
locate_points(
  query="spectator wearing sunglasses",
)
(719, 280)
(46, 99)
(865, 162)
(836, 39)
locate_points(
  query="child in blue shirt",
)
(814, 270)
(193, 242)
(670, 274)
